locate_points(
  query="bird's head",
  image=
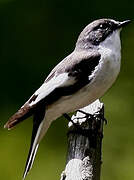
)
(98, 31)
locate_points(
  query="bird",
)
(77, 81)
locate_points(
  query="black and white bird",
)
(78, 80)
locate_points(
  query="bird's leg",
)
(87, 115)
(79, 129)
(94, 118)
(70, 120)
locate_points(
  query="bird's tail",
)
(33, 148)
(40, 126)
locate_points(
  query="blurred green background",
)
(34, 37)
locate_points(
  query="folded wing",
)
(66, 78)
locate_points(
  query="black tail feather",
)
(37, 124)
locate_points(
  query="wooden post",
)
(84, 144)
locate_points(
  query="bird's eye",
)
(103, 26)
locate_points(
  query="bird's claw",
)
(93, 116)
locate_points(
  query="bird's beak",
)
(123, 23)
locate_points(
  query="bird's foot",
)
(97, 115)
(93, 119)
(70, 120)
(77, 128)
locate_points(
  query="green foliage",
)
(35, 36)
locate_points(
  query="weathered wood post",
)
(84, 144)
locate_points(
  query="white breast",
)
(111, 46)
(108, 69)
(110, 51)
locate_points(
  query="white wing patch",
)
(60, 80)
